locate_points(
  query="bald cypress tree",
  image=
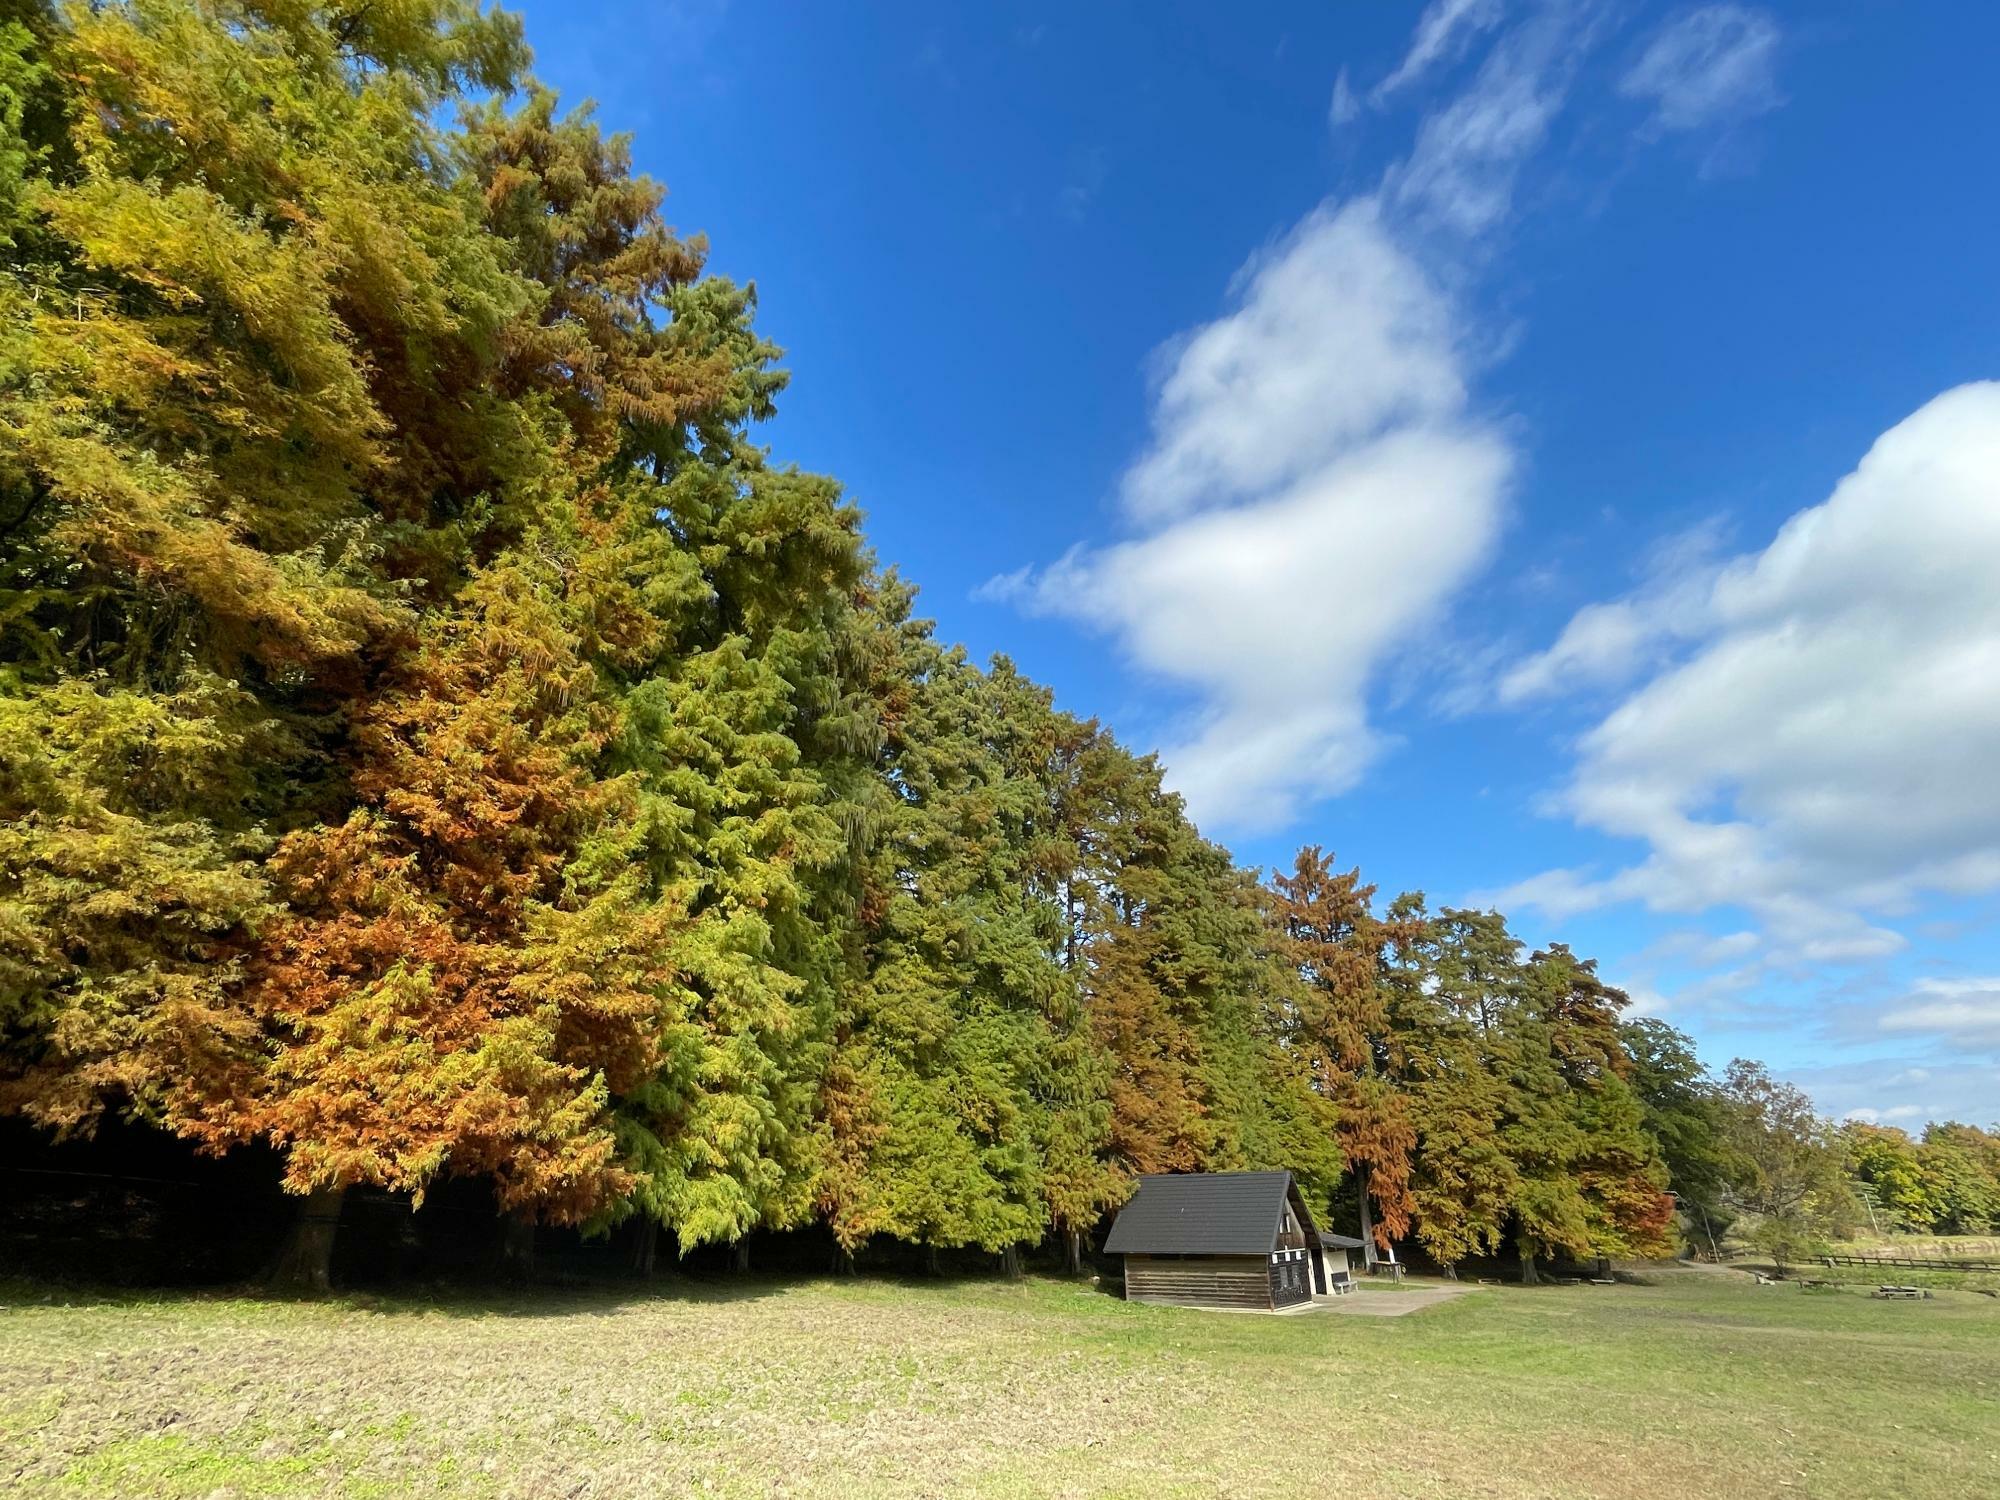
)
(946, 1032)
(230, 243)
(1340, 1029)
(1452, 977)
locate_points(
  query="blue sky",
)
(1536, 450)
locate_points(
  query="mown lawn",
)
(1702, 1385)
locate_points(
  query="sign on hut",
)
(1226, 1239)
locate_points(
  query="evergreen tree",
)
(948, 1035)
(1340, 1030)
(229, 231)
(1449, 980)
(469, 966)
(1684, 1113)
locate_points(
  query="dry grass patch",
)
(1701, 1385)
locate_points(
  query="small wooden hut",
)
(1220, 1239)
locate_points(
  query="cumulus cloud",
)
(1318, 485)
(1337, 336)
(1278, 610)
(1819, 750)
(1708, 66)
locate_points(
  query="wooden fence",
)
(1913, 1262)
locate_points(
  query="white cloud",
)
(1460, 175)
(1324, 490)
(1965, 1012)
(1344, 106)
(1708, 66)
(1318, 486)
(1607, 644)
(1821, 750)
(1889, 1090)
(1443, 32)
(1277, 611)
(1337, 337)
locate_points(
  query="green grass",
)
(1702, 1384)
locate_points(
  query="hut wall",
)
(1336, 1263)
(1199, 1281)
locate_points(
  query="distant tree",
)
(1967, 1162)
(1684, 1112)
(1941, 1184)
(1792, 1190)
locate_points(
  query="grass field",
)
(1702, 1385)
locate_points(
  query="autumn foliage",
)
(436, 741)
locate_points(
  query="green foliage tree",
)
(1449, 980)
(1684, 1112)
(1944, 1183)
(1792, 1189)
(436, 741)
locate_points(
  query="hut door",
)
(1317, 1257)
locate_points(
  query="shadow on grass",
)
(553, 1297)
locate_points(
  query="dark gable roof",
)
(1338, 1241)
(1202, 1213)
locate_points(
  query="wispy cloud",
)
(1900, 1090)
(1462, 172)
(1089, 166)
(1710, 66)
(1343, 107)
(1607, 644)
(1964, 1012)
(1444, 31)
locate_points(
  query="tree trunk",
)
(1367, 1218)
(305, 1264)
(1529, 1275)
(843, 1261)
(646, 1252)
(1451, 1270)
(1714, 1250)
(739, 1258)
(931, 1266)
(1073, 1252)
(517, 1247)
(1010, 1262)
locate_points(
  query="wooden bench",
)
(1911, 1293)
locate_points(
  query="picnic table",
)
(1912, 1293)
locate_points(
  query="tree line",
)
(436, 740)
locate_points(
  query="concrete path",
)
(1370, 1304)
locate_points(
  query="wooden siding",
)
(1199, 1281)
(1291, 1279)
